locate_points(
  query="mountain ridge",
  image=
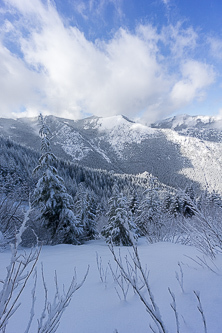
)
(179, 151)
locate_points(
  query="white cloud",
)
(18, 85)
(196, 77)
(180, 40)
(94, 9)
(64, 73)
(215, 47)
(166, 2)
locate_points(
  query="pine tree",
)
(133, 201)
(51, 197)
(149, 214)
(189, 190)
(120, 229)
(90, 225)
(85, 208)
(183, 205)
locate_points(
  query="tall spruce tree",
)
(51, 197)
(85, 208)
(120, 229)
(149, 213)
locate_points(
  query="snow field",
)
(96, 307)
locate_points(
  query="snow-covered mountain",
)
(178, 151)
(202, 127)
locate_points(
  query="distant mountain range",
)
(179, 151)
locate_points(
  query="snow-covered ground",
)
(96, 306)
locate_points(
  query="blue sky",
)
(146, 59)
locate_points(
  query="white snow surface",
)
(96, 308)
(119, 123)
(120, 132)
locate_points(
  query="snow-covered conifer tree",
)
(120, 229)
(183, 205)
(51, 197)
(149, 214)
(85, 208)
(90, 224)
(133, 201)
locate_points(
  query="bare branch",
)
(128, 274)
(200, 308)
(60, 302)
(173, 306)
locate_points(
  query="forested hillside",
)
(157, 211)
(181, 151)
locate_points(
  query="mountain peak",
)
(178, 150)
(184, 122)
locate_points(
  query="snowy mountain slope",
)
(205, 160)
(202, 127)
(178, 151)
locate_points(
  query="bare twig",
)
(102, 273)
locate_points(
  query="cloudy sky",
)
(146, 59)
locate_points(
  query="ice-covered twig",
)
(180, 277)
(203, 263)
(200, 308)
(121, 282)
(18, 273)
(18, 238)
(32, 312)
(102, 273)
(52, 312)
(174, 307)
(128, 273)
